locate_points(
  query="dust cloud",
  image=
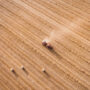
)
(57, 35)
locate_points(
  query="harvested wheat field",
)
(26, 64)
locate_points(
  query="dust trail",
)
(57, 35)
